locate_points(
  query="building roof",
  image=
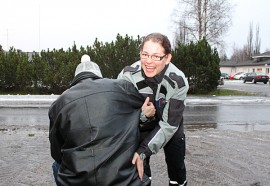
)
(245, 63)
(257, 60)
(263, 55)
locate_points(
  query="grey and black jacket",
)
(168, 91)
(94, 132)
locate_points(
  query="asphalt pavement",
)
(259, 88)
(216, 154)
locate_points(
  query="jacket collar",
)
(82, 76)
(157, 78)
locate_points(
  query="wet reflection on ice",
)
(240, 117)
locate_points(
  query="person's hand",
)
(148, 108)
(139, 164)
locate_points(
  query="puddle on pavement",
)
(222, 117)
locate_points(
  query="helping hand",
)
(139, 164)
(148, 108)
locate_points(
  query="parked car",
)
(224, 75)
(255, 77)
(239, 76)
(232, 75)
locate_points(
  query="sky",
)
(244, 13)
(34, 25)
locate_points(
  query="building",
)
(258, 63)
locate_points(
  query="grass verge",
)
(227, 92)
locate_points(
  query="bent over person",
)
(166, 86)
(94, 131)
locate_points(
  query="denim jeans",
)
(55, 167)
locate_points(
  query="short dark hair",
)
(158, 38)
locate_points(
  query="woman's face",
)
(153, 58)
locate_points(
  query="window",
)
(259, 69)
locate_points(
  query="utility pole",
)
(7, 41)
(39, 27)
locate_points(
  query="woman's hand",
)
(148, 108)
(139, 164)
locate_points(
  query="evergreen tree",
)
(54, 70)
(2, 68)
(10, 67)
(113, 57)
(23, 73)
(200, 64)
(38, 70)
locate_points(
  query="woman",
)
(157, 78)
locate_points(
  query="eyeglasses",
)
(153, 57)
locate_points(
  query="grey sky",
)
(31, 24)
(41, 24)
(246, 12)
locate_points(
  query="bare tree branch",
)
(257, 43)
(204, 18)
